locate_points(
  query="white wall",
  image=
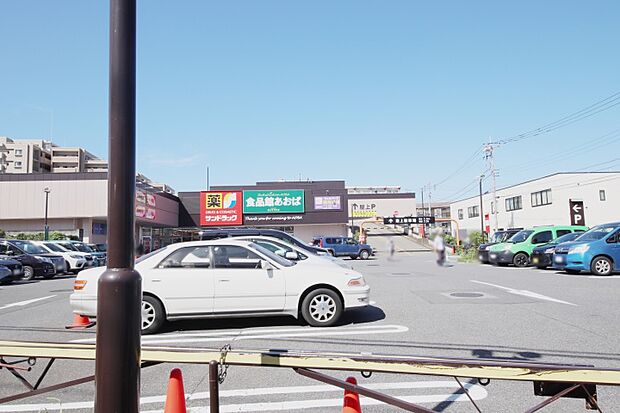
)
(564, 187)
(307, 232)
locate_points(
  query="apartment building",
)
(550, 200)
(41, 156)
(25, 156)
(76, 160)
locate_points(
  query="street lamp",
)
(46, 232)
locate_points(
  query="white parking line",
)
(447, 393)
(525, 293)
(255, 334)
(23, 303)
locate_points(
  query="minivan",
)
(518, 249)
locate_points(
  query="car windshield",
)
(68, 246)
(29, 248)
(54, 247)
(82, 247)
(150, 254)
(497, 237)
(101, 247)
(281, 261)
(520, 236)
(567, 237)
(596, 233)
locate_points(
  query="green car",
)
(518, 249)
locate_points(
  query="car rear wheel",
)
(28, 273)
(321, 308)
(153, 316)
(364, 254)
(521, 260)
(601, 266)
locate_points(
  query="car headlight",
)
(356, 282)
(549, 250)
(487, 248)
(44, 259)
(75, 257)
(579, 249)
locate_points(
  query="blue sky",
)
(372, 92)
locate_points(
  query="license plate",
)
(559, 260)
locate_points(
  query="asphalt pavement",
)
(461, 310)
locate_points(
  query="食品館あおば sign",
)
(220, 208)
(273, 202)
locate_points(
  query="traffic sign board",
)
(577, 214)
(409, 220)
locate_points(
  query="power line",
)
(591, 110)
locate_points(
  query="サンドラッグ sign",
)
(270, 202)
(219, 208)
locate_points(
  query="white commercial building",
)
(590, 197)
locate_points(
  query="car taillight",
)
(321, 243)
(79, 285)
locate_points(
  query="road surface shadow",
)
(351, 317)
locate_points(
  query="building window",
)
(18, 152)
(473, 211)
(514, 203)
(18, 164)
(601, 195)
(541, 198)
(460, 213)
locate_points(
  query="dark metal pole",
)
(214, 386)
(117, 366)
(46, 230)
(481, 212)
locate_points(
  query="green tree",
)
(57, 236)
(2, 233)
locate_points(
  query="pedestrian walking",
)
(440, 248)
(391, 248)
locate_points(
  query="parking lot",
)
(418, 309)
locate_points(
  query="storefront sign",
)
(363, 210)
(273, 219)
(270, 202)
(220, 208)
(327, 202)
(145, 205)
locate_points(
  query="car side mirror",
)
(291, 255)
(266, 265)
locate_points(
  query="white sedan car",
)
(231, 278)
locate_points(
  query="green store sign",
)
(269, 202)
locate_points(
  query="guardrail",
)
(552, 380)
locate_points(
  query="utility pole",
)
(481, 210)
(46, 231)
(119, 320)
(208, 185)
(488, 156)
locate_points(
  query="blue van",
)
(596, 251)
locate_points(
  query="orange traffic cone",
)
(80, 321)
(175, 399)
(351, 399)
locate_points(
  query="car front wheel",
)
(321, 308)
(153, 316)
(601, 266)
(521, 260)
(364, 254)
(28, 273)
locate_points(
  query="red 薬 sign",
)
(220, 208)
